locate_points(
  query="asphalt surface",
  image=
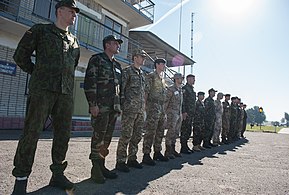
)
(258, 164)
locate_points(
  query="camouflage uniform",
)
(101, 86)
(173, 107)
(188, 106)
(199, 123)
(244, 123)
(241, 118)
(156, 93)
(226, 120)
(132, 96)
(218, 121)
(210, 117)
(233, 121)
(50, 92)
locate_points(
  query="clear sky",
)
(241, 47)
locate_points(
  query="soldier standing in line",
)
(233, 119)
(188, 109)
(173, 108)
(210, 117)
(132, 119)
(241, 119)
(244, 121)
(218, 122)
(102, 89)
(238, 119)
(50, 93)
(155, 93)
(199, 123)
(226, 119)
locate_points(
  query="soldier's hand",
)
(184, 115)
(94, 111)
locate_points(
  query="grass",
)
(270, 129)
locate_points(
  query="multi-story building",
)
(97, 19)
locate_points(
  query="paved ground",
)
(284, 131)
(256, 165)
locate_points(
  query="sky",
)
(240, 47)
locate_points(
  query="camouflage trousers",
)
(154, 130)
(198, 133)
(186, 129)
(39, 106)
(131, 134)
(209, 130)
(225, 128)
(173, 125)
(103, 126)
(217, 129)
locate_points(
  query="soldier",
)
(132, 119)
(155, 93)
(233, 119)
(50, 93)
(218, 122)
(244, 121)
(188, 109)
(102, 89)
(241, 119)
(226, 119)
(199, 123)
(210, 117)
(173, 108)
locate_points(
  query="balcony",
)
(137, 12)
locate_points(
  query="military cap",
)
(233, 98)
(227, 95)
(160, 60)
(211, 90)
(201, 93)
(139, 52)
(178, 76)
(111, 38)
(190, 75)
(67, 3)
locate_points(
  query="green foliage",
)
(254, 116)
(287, 118)
(263, 128)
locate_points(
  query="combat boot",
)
(148, 160)
(121, 166)
(134, 164)
(60, 181)
(174, 152)
(20, 187)
(96, 173)
(201, 147)
(168, 152)
(106, 173)
(185, 149)
(160, 157)
(196, 148)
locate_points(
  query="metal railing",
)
(144, 7)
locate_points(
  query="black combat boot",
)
(96, 173)
(174, 152)
(134, 164)
(168, 152)
(60, 181)
(148, 160)
(160, 157)
(121, 166)
(20, 187)
(185, 149)
(106, 173)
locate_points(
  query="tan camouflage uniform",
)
(132, 98)
(156, 93)
(218, 121)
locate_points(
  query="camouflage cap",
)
(139, 52)
(228, 95)
(160, 60)
(111, 38)
(190, 75)
(178, 76)
(201, 93)
(67, 3)
(212, 89)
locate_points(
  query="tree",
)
(287, 118)
(254, 116)
(282, 120)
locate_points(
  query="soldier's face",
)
(201, 97)
(113, 47)
(227, 98)
(161, 66)
(191, 80)
(139, 59)
(67, 15)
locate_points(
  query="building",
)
(97, 19)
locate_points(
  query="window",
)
(114, 28)
(45, 9)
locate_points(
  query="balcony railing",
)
(145, 7)
(89, 31)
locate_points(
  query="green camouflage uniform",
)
(50, 92)
(210, 118)
(132, 119)
(226, 120)
(218, 121)
(156, 93)
(199, 123)
(173, 107)
(188, 106)
(244, 123)
(233, 121)
(101, 86)
(241, 118)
